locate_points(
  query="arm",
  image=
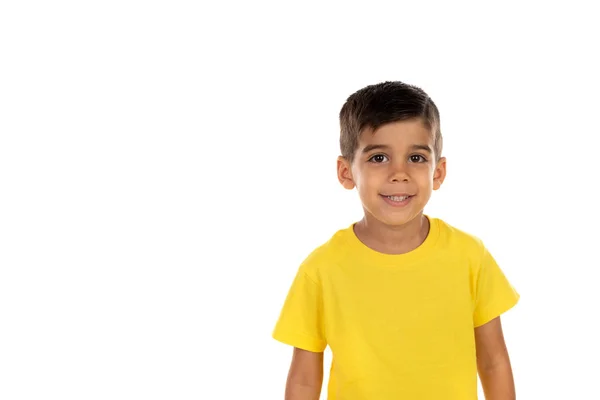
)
(493, 362)
(305, 377)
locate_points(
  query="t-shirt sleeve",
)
(494, 294)
(300, 323)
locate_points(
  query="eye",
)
(417, 158)
(378, 158)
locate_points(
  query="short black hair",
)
(383, 103)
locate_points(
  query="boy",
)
(409, 305)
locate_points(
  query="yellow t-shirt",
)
(399, 326)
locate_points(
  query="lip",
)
(398, 194)
(393, 203)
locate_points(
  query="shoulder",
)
(325, 255)
(465, 247)
(456, 239)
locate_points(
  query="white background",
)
(166, 166)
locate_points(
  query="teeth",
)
(397, 198)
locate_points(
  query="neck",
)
(392, 239)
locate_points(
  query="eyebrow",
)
(372, 147)
(422, 147)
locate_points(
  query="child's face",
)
(394, 171)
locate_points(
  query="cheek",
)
(371, 179)
(425, 173)
(365, 183)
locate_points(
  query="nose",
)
(398, 173)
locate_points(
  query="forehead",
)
(398, 133)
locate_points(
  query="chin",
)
(393, 221)
(398, 220)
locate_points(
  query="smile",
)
(397, 200)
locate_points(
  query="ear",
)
(439, 174)
(344, 171)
